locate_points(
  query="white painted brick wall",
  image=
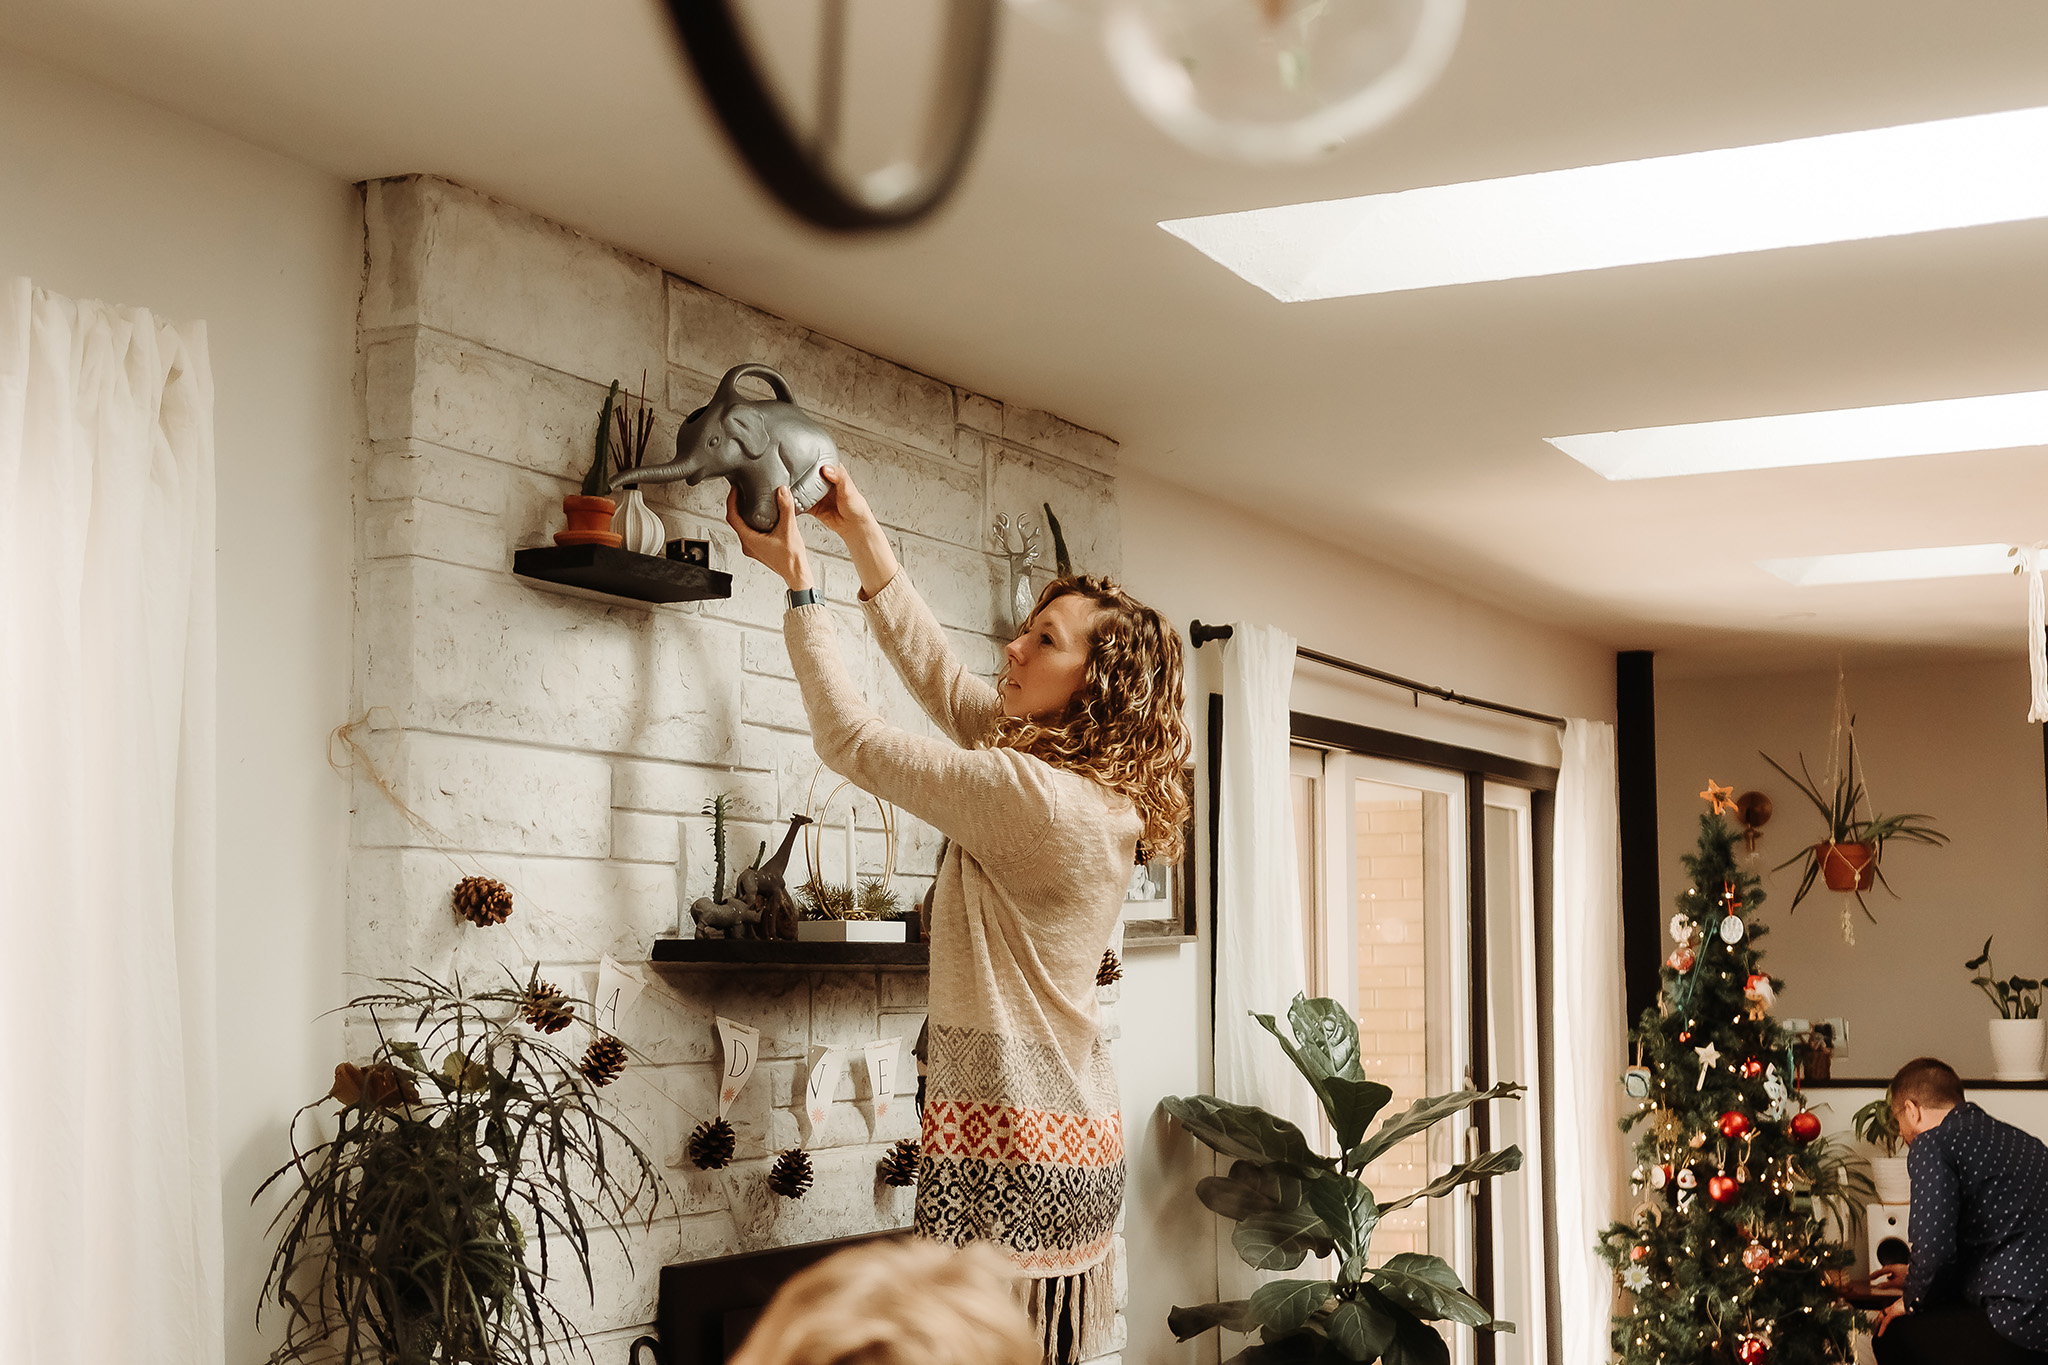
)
(566, 743)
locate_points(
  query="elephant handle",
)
(729, 385)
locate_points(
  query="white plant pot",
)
(1888, 1173)
(851, 931)
(638, 526)
(2016, 1049)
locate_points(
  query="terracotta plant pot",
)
(1847, 867)
(590, 522)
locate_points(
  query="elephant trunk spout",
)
(661, 473)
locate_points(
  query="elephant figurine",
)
(723, 919)
(759, 444)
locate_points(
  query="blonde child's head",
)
(896, 1303)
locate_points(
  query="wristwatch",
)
(802, 597)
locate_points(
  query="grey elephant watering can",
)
(760, 444)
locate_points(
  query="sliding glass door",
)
(1433, 949)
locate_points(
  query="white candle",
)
(849, 847)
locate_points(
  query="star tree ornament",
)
(1709, 1058)
(1721, 798)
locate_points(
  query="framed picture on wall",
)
(1159, 902)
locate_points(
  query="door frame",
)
(1479, 767)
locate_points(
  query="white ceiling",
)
(1409, 426)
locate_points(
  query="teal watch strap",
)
(802, 597)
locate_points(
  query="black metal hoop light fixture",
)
(798, 171)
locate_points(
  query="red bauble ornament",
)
(1805, 1127)
(1681, 959)
(1638, 1253)
(1752, 1351)
(1733, 1124)
(1751, 1069)
(1685, 1035)
(1756, 1258)
(1722, 1189)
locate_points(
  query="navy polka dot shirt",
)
(1980, 1222)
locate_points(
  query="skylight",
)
(1893, 566)
(1883, 182)
(1942, 426)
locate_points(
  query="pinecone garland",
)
(546, 1008)
(899, 1163)
(1111, 971)
(791, 1174)
(711, 1144)
(483, 901)
(603, 1060)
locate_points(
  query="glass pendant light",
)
(1267, 81)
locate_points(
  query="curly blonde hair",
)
(1125, 726)
(897, 1303)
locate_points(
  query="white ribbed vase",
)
(638, 526)
(2016, 1049)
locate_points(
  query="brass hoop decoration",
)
(814, 832)
(798, 170)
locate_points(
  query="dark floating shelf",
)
(621, 573)
(773, 953)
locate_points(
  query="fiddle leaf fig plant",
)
(470, 1165)
(1290, 1202)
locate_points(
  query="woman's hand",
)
(843, 509)
(781, 549)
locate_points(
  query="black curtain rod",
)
(1202, 635)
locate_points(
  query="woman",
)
(1047, 787)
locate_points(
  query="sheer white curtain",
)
(1589, 1030)
(1260, 964)
(110, 1238)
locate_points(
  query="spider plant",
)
(1876, 1124)
(1842, 807)
(468, 1167)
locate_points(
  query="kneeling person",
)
(1977, 1289)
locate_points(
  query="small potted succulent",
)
(590, 510)
(1849, 858)
(2016, 1034)
(1877, 1125)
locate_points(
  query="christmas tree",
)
(1726, 1257)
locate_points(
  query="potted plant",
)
(590, 511)
(2016, 1034)
(468, 1169)
(1877, 1125)
(1290, 1202)
(639, 526)
(1849, 859)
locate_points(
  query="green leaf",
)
(1235, 1199)
(1285, 1306)
(1241, 1130)
(1415, 1343)
(1478, 1168)
(1234, 1316)
(1429, 1288)
(1278, 1241)
(1361, 1328)
(1352, 1105)
(1328, 1033)
(1346, 1208)
(1422, 1115)
(1980, 959)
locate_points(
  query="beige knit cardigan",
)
(1023, 1140)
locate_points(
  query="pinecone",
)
(546, 1008)
(899, 1163)
(791, 1175)
(1111, 971)
(711, 1144)
(483, 901)
(604, 1059)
